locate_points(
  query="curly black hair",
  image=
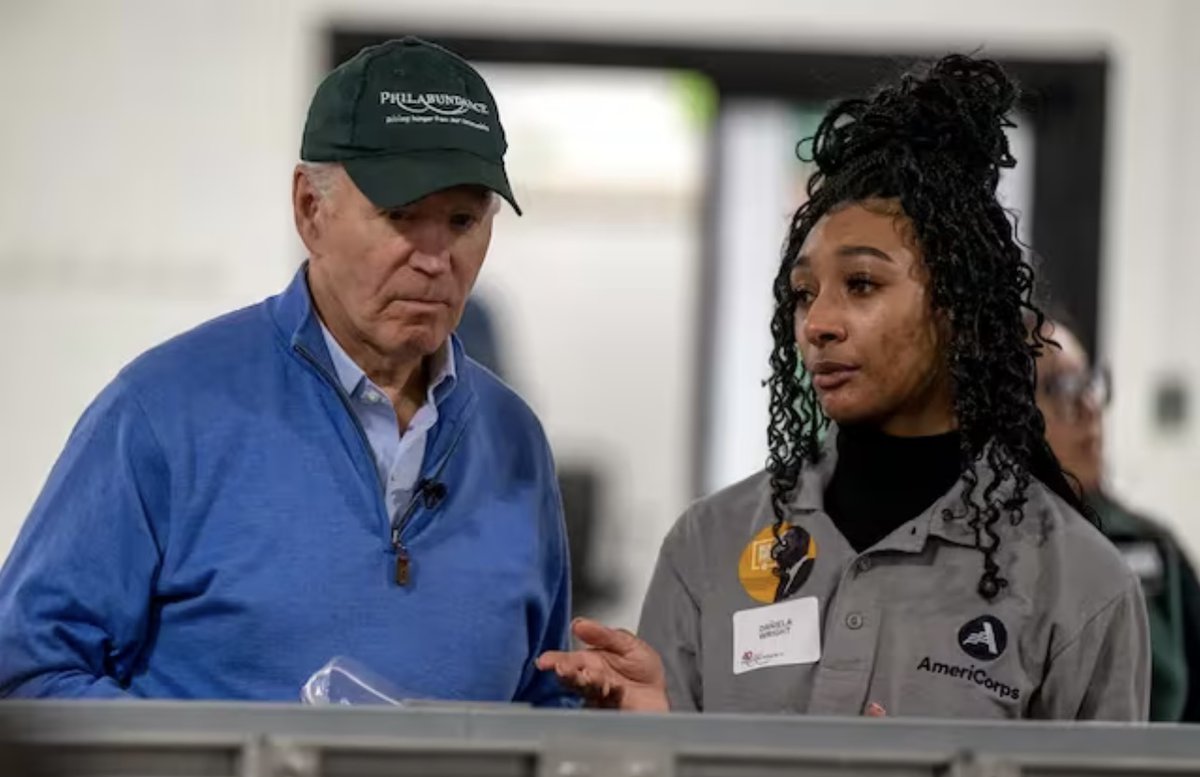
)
(935, 143)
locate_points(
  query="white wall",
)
(1149, 278)
(144, 150)
(142, 134)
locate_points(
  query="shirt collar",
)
(349, 374)
(352, 377)
(910, 536)
(445, 371)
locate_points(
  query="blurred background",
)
(146, 149)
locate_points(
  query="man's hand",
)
(617, 670)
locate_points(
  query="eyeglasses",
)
(1068, 390)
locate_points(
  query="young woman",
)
(927, 556)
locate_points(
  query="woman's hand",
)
(617, 670)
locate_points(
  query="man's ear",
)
(306, 206)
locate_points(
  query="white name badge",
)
(777, 635)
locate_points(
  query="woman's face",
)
(872, 345)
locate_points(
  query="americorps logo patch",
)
(983, 638)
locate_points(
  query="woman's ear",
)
(944, 329)
(944, 321)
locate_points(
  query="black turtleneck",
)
(881, 481)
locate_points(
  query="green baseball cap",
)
(406, 119)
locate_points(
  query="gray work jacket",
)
(900, 625)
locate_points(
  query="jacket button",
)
(854, 620)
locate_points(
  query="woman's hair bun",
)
(953, 112)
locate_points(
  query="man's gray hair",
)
(324, 177)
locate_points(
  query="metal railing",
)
(170, 739)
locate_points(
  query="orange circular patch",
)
(756, 568)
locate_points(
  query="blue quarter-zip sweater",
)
(215, 528)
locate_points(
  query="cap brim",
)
(401, 179)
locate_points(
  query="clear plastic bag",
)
(346, 681)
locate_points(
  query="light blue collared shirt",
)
(398, 455)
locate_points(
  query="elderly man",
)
(325, 473)
(1071, 395)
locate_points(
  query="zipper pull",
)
(403, 561)
(403, 564)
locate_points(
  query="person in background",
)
(327, 473)
(1072, 395)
